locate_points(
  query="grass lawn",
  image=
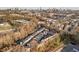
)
(5, 26)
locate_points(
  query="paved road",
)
(71, 48)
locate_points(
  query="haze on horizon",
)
(72, 8)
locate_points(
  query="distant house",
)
(21, 21)
(18, 15)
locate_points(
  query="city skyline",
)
(72, 8)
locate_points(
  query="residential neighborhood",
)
(39, 30)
